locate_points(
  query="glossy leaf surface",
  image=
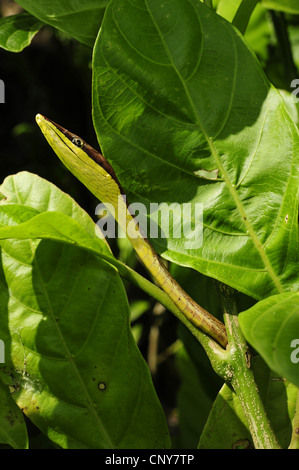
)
(74, 366)
(174, 103)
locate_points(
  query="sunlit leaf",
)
(71, 360)
(173, 99)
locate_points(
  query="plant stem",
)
(284, 44)
(243, 14)
(209, 3)
(216, 354)
(242, 378)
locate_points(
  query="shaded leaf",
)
(81, 19)
(272, 328)
(13, 429)
(198, 390)
(17, 31)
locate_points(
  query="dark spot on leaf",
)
(9, 419)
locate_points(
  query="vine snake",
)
(96, 173)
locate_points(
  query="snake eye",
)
(77, 142)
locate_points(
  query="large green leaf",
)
(55, 215)
(38, 195)
(17, 31)
(185, 114)
(81, 19)
(272, 328)
(289, 6)
(71, 359)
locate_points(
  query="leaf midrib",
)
(221, 168)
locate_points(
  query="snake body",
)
(96, 173)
